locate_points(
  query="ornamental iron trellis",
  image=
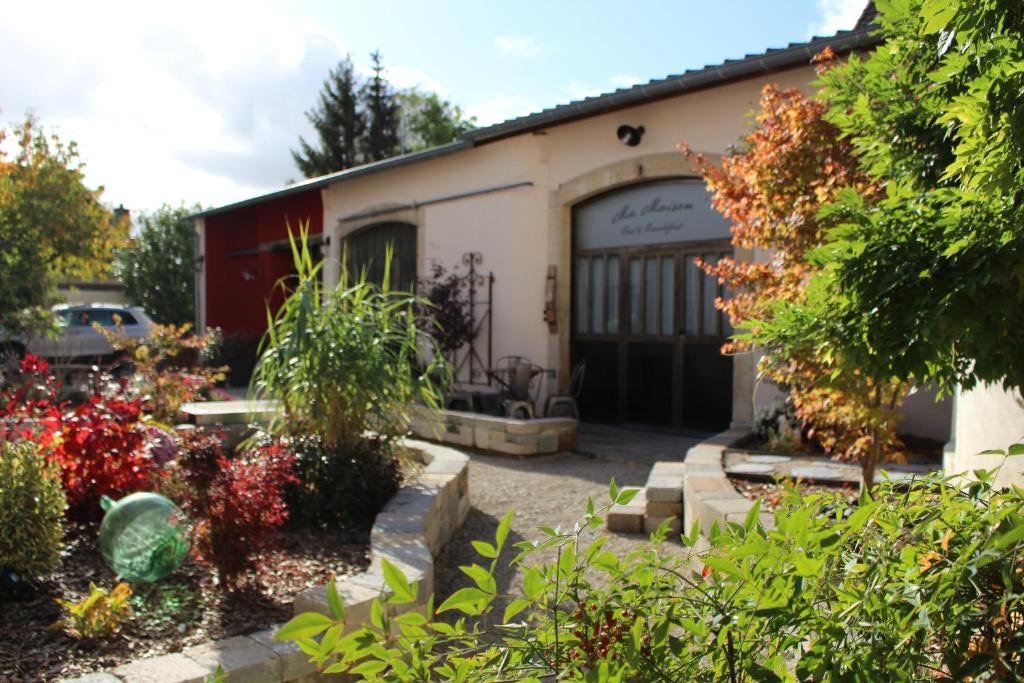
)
(469, 364)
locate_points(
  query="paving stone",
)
(173, 668)
(651, 524)
(817, 473)
(661, 491)
(547, 443)
(94, 678)
(294, 662)
(356, 599)
(752, 468)
(768, 459)
(626, 519)
(241, 657)
(700, 470)
(704, 455)
(721, 483)
(727, 506)
(658, 509)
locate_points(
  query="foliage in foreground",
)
(927, 282)
(98, 614)
(31, 510)
(792, 164)
(924, 582)
(158, 266)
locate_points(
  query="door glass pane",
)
(613, 294)
(726, 325)
(635, 266)
(597, 294)
(710, 313)
(651, 295)
(668, 290)
(583, 295)
(692, 304)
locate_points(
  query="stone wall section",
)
(496, 434)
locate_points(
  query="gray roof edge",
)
(793, 55)
(354, 172)
(790, 56)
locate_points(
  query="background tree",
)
(428, 121)
(927, 282)
(792, 163)
(362, 120)
(381, 106)
(52, 225)
(158, 265)
(339, 122)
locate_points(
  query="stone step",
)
(629, 518)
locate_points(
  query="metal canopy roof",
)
(774, 59)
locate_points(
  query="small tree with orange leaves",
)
(791, 165)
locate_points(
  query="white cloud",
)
(836, 15)
(579, 90)
(501, 108)
(625, 80)
(517, 46)
(193, 101)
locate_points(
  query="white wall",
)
(984, 418)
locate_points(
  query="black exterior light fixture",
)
(630, 135)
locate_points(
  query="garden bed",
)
(184, 609)
(771, 493)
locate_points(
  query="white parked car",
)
(77, 338)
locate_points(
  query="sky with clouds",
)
(200, 102)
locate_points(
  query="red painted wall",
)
(239, 287)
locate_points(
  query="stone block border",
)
(409, 532)
(497, 434)
(681, 492)
(708, 495)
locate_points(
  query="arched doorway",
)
(643, 314)
(367, 249)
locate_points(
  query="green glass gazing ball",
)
(143, 537)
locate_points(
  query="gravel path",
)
(544, 491)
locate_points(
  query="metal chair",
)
(566, 405)
(520, 376)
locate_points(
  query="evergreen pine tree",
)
(381, 106)
(340, 125)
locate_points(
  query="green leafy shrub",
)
(99, 614)
(346, 366)
(923, 582)
(341, 485)
(31, 510)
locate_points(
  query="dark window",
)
(367, 249)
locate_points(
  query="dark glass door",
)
(644, 319)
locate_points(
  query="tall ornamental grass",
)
(346, 363)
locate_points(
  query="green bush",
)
(31, 510)
(923, 582)
(345, 362)
(340, 485)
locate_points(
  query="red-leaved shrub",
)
(99, 445)
(236, 504)
(102, 453)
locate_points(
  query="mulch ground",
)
(185, 609)
(771, 494)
